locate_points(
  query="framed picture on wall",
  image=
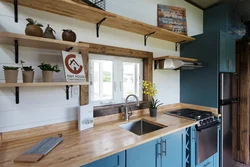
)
(172, 18)
(73, 67)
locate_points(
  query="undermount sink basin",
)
(141, 127)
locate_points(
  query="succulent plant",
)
(10, 68)
(48, 67)
(26, 68)
(33, 22)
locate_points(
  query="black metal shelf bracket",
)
(15, 3)
(146, 37)
(67, 92)
(69, 49)
(177, 44)
(17, 94)
(98, 25)
(16, 45)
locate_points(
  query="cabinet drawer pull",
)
(165, 142)
(208, 163)
(194, 137)
(159, 153)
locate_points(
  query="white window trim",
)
(117, 77)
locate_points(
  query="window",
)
(112, 79)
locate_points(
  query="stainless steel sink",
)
(141, 127)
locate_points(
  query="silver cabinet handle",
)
(208, 163)
(159, 143)
(165, 142)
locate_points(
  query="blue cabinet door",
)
(116, 160)
(145, 155)
(227, 52)
(174, 150)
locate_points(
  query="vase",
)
(47, 76)
(153, 112)
(11, 76)
(69, 35)
(34, 30)
(28, 76)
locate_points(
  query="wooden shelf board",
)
(37, 42)
(74, 9)
(41, 84)
(176, 57)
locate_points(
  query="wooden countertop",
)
(80, 148)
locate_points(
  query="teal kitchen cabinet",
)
(174, 154)
(116, 160)
(146, 155)
(216, 51)
(225, 18)
(227, 52)
(168, 151)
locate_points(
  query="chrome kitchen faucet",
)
(127, 115)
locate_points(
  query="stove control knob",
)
(211, 119)
(208, 120)
(215, 118)
(201, 122)
(205, 121)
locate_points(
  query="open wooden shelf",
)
(37, 42)
(41, 84)
(176, 57)
(74, 9)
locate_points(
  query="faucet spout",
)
(127, 114)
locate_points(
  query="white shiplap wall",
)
(42, 106)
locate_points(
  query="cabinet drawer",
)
(116, 160)
(207, 163)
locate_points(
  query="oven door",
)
(207, 142)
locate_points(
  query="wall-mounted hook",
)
(98, 26)
(146, 37)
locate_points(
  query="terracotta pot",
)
(11, 76)
(28, 76)
(153, 112)
(47, 76)
(69, 35)
(34, 30)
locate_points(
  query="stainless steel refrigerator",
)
(228, 105)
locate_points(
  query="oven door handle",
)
(207, 126)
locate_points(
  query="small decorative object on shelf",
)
(33, 28)
(68, 35)
(48, 71)
(150, 90)
(11, 74)
(48, 33)
(28, 73)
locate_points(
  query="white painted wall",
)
(42, 106)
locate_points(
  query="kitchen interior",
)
(121, 83)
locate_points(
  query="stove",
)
(204, 117)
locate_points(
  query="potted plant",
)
(48, 71)
(150, 89)
(33, 28)
(28, 73)
(11, 74)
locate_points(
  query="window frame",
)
(115, 51)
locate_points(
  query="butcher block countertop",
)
(80, 148)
